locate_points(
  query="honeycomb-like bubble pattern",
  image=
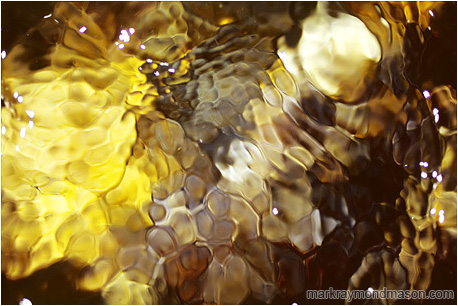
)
(193, 153)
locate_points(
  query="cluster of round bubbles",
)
(230, 153)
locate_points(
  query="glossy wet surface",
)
(229, 153)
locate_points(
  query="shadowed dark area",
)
(54, 285)
(19, 17)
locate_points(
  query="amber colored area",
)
(227, 153)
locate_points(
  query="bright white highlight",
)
(275, 211)
(439, 178)
(25, 301)
(426, 94)
(441, 219)
(432, 211)
(441, 216)
(22, 132)
(336, 52)
(30, 112)
(424, 175)
(30, 124)
(3, 54)
(124, 36)
(423, 164)
(82, 29)
(282, 55)
(20, 99)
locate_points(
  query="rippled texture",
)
(230, 153)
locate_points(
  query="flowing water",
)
(229, 152)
